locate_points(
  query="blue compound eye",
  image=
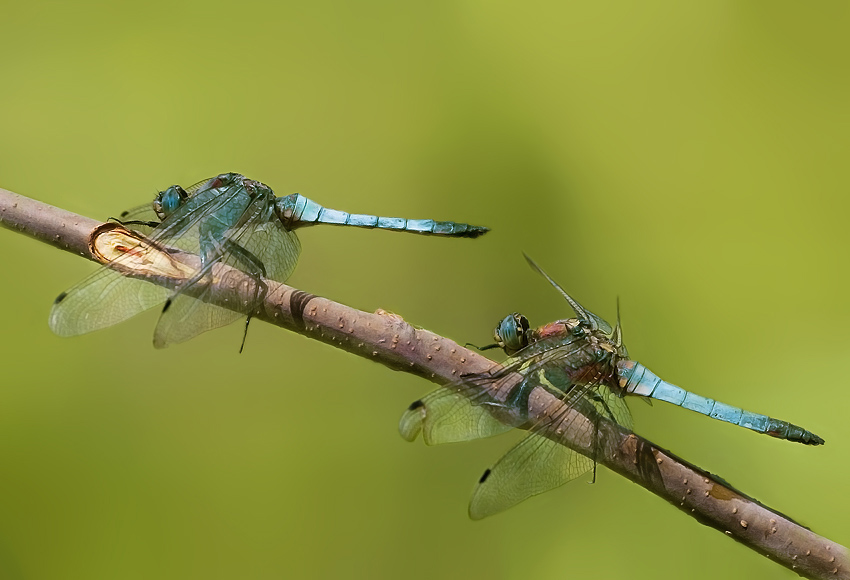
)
(512, 333)
(169, 200)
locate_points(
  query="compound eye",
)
(168, 201)
(512, 333)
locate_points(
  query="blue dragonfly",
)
(228, 220)
(583, 362)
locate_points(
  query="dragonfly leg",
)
(148, 224)
(244, 334)
(600, 403)
(488, 347)
(257, 271)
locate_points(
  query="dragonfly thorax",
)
(513, 334)
(570, 327)
(577, 330)
(591, 346)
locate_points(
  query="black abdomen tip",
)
(812, 439)
(475, 231)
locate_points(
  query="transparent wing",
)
(580, 310)
(575, 383)
(534, 465)
(181, 229)
(188, 312)
(555, 350)
(550, 356)
(186, 317)
(259, 247)
(613, 407)
(449, 415)
(275, 246)
(101, 300)
(202, 200)
(106, 297)
(537, 464)
(467, 410)
(569, 369)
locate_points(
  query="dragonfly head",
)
(168, 201)
(511, 334)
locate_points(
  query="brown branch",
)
(388, 339)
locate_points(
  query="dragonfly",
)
(584, 364)
(227, 220)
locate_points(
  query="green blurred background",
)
(691, 160)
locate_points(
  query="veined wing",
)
(107, 297)
(537, 464)
(143, 218)
(452, 414)
(468, 410)
(582, 312)
(533, 466)
(181, 229)
(258, 246)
